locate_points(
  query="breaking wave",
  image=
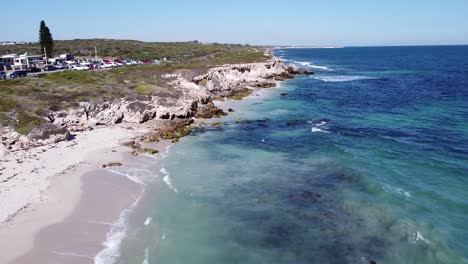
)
(310, 65)
(343, 78)
(168, 180)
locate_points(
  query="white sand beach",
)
(42, 186)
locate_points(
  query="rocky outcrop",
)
(221, 81)
(209, 111)
(294, 69)
(192, 100)
(48, 134)
(309, 72)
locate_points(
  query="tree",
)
(45, 39)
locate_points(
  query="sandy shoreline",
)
(45, 185)
(79, 237)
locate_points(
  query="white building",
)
(6, 61)
(26, 61)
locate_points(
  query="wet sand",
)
(80, 237)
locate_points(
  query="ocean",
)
(364, 162)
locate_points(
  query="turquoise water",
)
(365, 161)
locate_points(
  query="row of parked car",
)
(25, 72)
(81, 65)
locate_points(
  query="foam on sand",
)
(111, 251)
(141, 176)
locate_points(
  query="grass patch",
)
(144, 89)
(26, 123)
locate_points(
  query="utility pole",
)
(45, 53)
(95, 53)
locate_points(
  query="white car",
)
(108, 65)
(79, 67)
(130, 62)
(3, 75)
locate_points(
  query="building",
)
(26, 61)
(67, 57)
(6, 61)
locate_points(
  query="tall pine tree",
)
(45, 39)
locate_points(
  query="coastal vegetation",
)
(133, 49)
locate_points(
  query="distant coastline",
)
(307, 47)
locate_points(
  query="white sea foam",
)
(114, 238)
(310, 65)
(168, 180)
(398, 191)
(146, 260)
(316, 129)
(342, 78)
(148, 220)
(163, 236)
(165, 154)
(319, 67)
(318, 126)
(321, 123)
(417, 238)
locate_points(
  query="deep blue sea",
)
(364, 162)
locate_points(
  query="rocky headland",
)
(158, 113)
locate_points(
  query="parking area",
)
(72, 65)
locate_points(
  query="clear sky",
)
(286, 22)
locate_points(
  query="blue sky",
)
(296, 22)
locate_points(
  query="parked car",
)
(79, 67)
(33, 69)
(62, 66)
(18, 74)
(118, 63)
(49, 68)
(95, 65)
(3, 75)
(147, 61)
(108, 64)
